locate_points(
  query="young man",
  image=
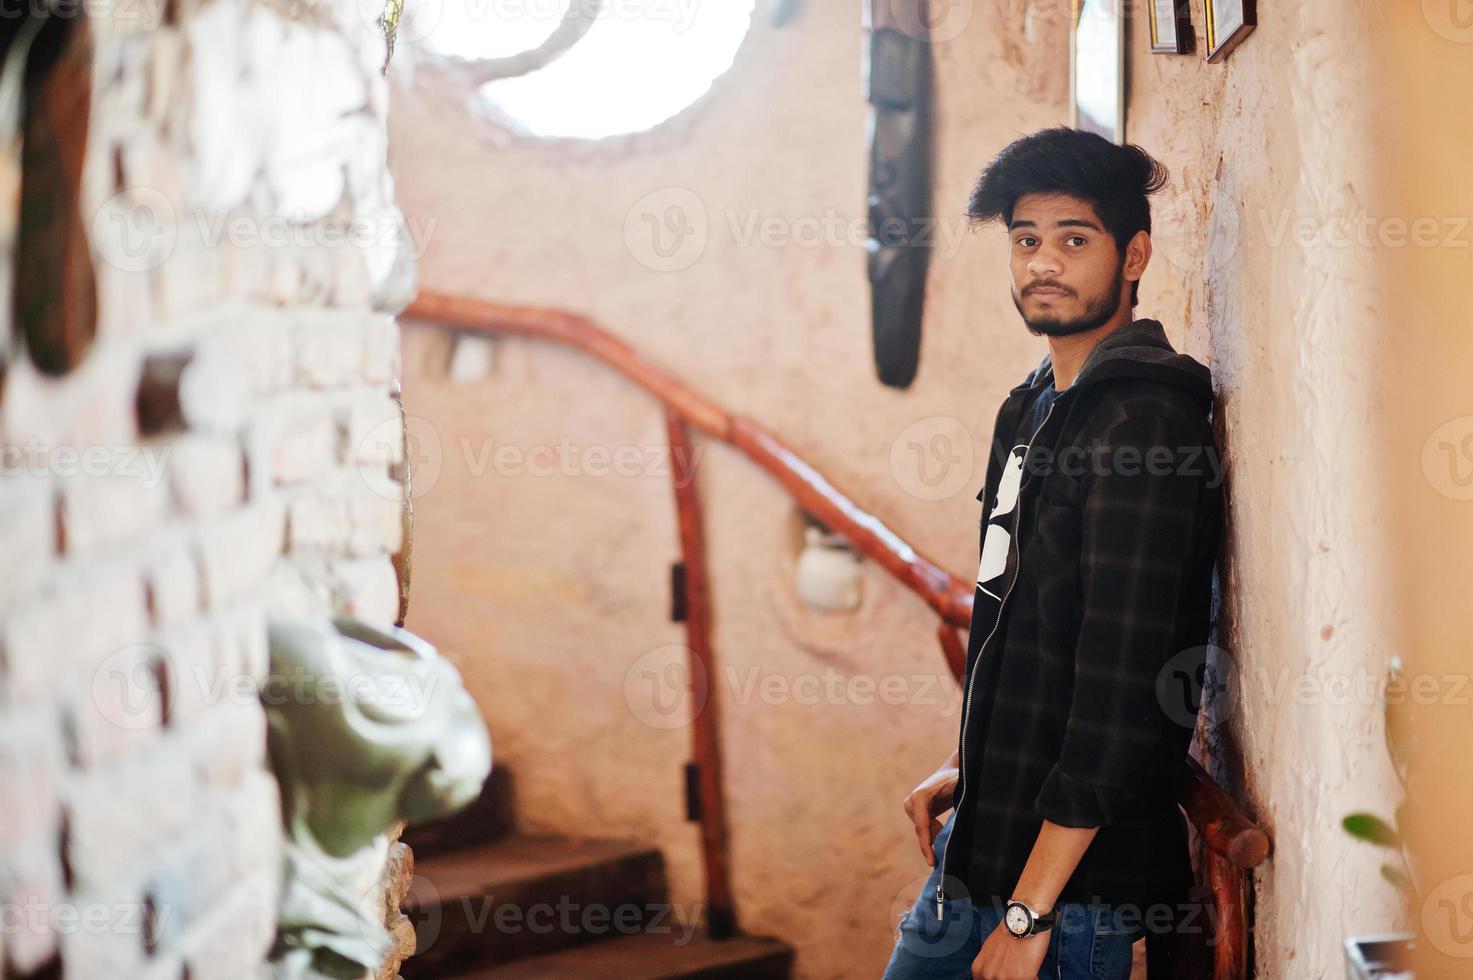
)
(1101, 518)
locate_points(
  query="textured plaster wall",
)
(551, 591)
(1272, 163)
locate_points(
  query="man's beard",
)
(1096, 314)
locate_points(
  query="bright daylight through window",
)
(638, 64)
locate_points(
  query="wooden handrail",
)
(1223, 826)
(1217, 818)
(1233, 840)
(942, 591)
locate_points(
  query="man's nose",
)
(1044, 264)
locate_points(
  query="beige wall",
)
(1425, 439)
(550, 592)
(1272, 156)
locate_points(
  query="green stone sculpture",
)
(367, 727)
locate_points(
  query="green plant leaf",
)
(1400, 731)
(1371, 828)
(1398, 878)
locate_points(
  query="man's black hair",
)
(1114, 179)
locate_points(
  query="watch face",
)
(1017, 920)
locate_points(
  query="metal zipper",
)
(967, 695)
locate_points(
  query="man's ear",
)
(1137, 256)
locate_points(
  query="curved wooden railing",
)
(1233, 842)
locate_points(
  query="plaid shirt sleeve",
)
(1139, 505)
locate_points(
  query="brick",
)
(232, 745)
(381, 363)
(373, 430)
(254, 824)
(243, 271)
(290, 443)
(244, 356)
(119, 506)
(102, 935)
(32, 760)
(240, 645)
(123, 709)
(305, 452)
(237, 552)
(299, 585)
(190, 278)
(91, 406)
(367, 589)
(330, 350)
(172, 577)
(352, 285)
(33, 895)
(122, 819)
(59, 640)
(238, 933)
(124, 300)
(207, 474)
(191, 879)
(28, 528)
(112, 830)
(357, 515)
(195, 679)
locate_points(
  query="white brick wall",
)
(226, 153)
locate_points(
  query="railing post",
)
(705, 723)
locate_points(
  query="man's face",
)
(1068, 274)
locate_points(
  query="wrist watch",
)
(1023, 922)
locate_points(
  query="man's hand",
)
(926, 803)
(1006, 957)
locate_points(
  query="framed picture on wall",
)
(1228, 22)
(1171, 27)
(1097, 68)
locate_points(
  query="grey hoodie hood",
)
(1139, 349)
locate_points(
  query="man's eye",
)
(1076, 239)
(1025, 242)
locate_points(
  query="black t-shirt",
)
(991, 569)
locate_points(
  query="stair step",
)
(656, 956)
(528, 895)
(489, 817)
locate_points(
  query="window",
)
(638, 64)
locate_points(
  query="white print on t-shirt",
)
(995, 544)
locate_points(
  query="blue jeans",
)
(1087, 942)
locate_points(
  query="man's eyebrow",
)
(1061, 223)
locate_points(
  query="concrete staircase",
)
(491, 903)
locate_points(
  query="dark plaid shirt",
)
(1073, 709)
